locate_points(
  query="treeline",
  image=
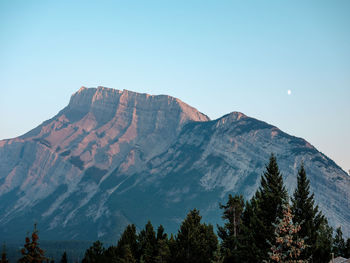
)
(270, 227)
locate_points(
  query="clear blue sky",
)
(218, 56)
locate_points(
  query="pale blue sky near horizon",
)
(217, 56)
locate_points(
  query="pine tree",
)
(3, 255)
(111, 255)
(94, 254)
(249, 251)
(270, 199)
(31, 251)
(147, 243)
(306, 213)
(127, 256)
(160, 233)
(172, 248)
(196, 242)
(129, 237)
(322, 253)
(338, 243)
(163, 251)
(288, 246)
(231, 231)
(64, 258)
(347, 248)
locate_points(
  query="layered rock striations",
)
(101, 130)
(116, 157)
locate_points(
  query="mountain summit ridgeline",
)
(114, 157)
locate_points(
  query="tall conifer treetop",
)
(339, 247)
(267, 207)
(270, 199)
(306, 214)
(230, 233)
(95, 254)
(31, 251)
(160, 233)
(148, 243)
(129, 238)
(196, 242)
(272, 194)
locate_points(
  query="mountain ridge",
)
(110, 151)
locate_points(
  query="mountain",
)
(116, 157)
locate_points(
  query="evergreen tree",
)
(172, 248)
(231, 231)
(31, 251)
(94, 254)
(64, 258)
(338, 243)
(270, 199)
(288, 246)
(3, 255)
(347, 248)
(322, 253)
(196, 242)
(163, 251)
(147, 243)
(306, 213)
(126, 244)
(111, 255)
(129, 238)
(160, 233)
(324, 242)
(248, 250)
(126, 255)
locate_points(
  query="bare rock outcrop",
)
(115, 157)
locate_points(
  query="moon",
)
(289, 92)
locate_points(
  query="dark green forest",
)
(270, 227)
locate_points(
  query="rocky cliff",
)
(113, 157)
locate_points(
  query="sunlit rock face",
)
(115, 157)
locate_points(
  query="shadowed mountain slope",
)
(116, 157)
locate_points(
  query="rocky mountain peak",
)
(113, 157)
(233, 116)
(102, 99)
(103, 126)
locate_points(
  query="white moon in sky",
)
(289, 92)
